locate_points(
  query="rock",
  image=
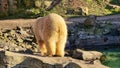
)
(96, 54)
(90, 21)
(47, 3)
(6, 48)
(35, 50)
(5, 35)
(23, 45)
(6, 30)
(16, 49)
(37, 3)
(28, 51)
(24, 33)
(18, 39)
(28, 46)
(85, 10)
(27, 40)
(19, 28)
(80, 37)
(21, 31)
(86, 55)
(17, 60)
(119, 1)
(12, 32)
(68, 44)
(0, 33)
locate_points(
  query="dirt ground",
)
(16, 22)
(28, 22)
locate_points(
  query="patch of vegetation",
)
(113, 58)
(115, 10)
(28, 8)
(115, 2)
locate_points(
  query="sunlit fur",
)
(51, 34)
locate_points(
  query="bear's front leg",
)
(60, 45)
(60, 49)
(51, 48)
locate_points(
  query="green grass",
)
(112, 58)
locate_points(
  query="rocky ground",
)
(18, 37)
(22, 38)
(18, 60)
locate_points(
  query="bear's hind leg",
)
(42, 46)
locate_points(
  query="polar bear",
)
(51, 34)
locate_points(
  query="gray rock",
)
(80, 37)
(86, 55)
(0, 33)
(28, 51)
(16, 49)
(19, 40)
(17, 60)
(6, 48)
(21, 31)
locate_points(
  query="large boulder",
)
(119, 1)
(17, 60)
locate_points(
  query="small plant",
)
(43, 12)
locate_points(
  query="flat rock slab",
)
(18, 60)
